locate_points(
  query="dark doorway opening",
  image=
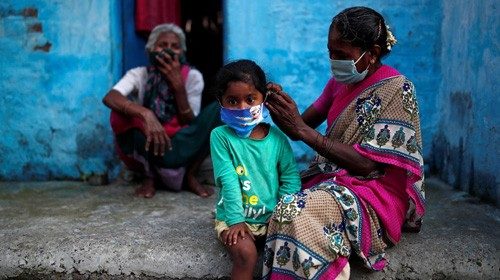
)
(203, 23)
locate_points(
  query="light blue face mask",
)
(345, 71)
(243, 121)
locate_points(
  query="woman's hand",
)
(230, 236)
(155, 133)
(284, 112)
(171, 70)
(170, 67)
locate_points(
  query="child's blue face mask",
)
(243, 121)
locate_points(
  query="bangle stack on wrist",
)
(187, 111)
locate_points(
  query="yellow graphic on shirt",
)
(252, 208)
(240, 170)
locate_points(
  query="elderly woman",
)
(365, 184)
(159, 128)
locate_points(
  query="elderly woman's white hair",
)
(162, 28)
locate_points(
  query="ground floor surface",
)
(71, 230)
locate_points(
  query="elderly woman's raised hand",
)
(284, 111)
(170, 67)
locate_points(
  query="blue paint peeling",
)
(53, 123)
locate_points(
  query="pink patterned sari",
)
(313, 233)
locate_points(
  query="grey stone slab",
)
(71, 230)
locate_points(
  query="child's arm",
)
(227, 179)
(287, 167)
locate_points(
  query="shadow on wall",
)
(452, 159)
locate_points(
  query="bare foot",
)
(194, 186)
(209, 190)
(147, 189)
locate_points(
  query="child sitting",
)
(253, 164)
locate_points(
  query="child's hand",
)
(231, 235)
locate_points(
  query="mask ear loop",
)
(219, 101)
(359, 58)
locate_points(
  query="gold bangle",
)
(316, 144)
(188, 110)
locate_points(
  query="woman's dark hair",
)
(362, 27)
(243, 70)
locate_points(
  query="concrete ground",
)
(72, 230)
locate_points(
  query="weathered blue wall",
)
(288, 39)
(57, 59)
(448, 48)
(134, 52)
(465, 146)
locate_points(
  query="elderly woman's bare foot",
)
(194, 186)
(147, 189)
(209, 190)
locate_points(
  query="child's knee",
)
(245, 256)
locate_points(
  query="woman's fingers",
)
(283, 99)
(168, 142)
(165, 143)
(274, 87)
(156, 145)
(162, 144)
(159, 141)
(148, 141)
(286, 97)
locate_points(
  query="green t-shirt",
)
(252, 174)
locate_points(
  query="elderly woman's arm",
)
(153, 129)
(285, 114)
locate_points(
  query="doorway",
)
(202, 23)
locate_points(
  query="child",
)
(253, 164)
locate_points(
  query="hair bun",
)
(391, 40)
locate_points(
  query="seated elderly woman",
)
(159, 128)
(365, 184)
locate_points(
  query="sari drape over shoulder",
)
(379, 117)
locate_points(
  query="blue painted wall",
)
(448, 48)
(57, 60)
(466, 140)
(288, 39)
(134, 53)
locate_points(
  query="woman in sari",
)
(365, 184)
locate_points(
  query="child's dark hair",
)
(242, 70)
(362, 27)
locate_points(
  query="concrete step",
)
(71, 230)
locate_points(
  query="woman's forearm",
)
(117, 102)
(339, 153)
(184, 112)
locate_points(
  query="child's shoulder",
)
(276, 132)
(221, 130)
